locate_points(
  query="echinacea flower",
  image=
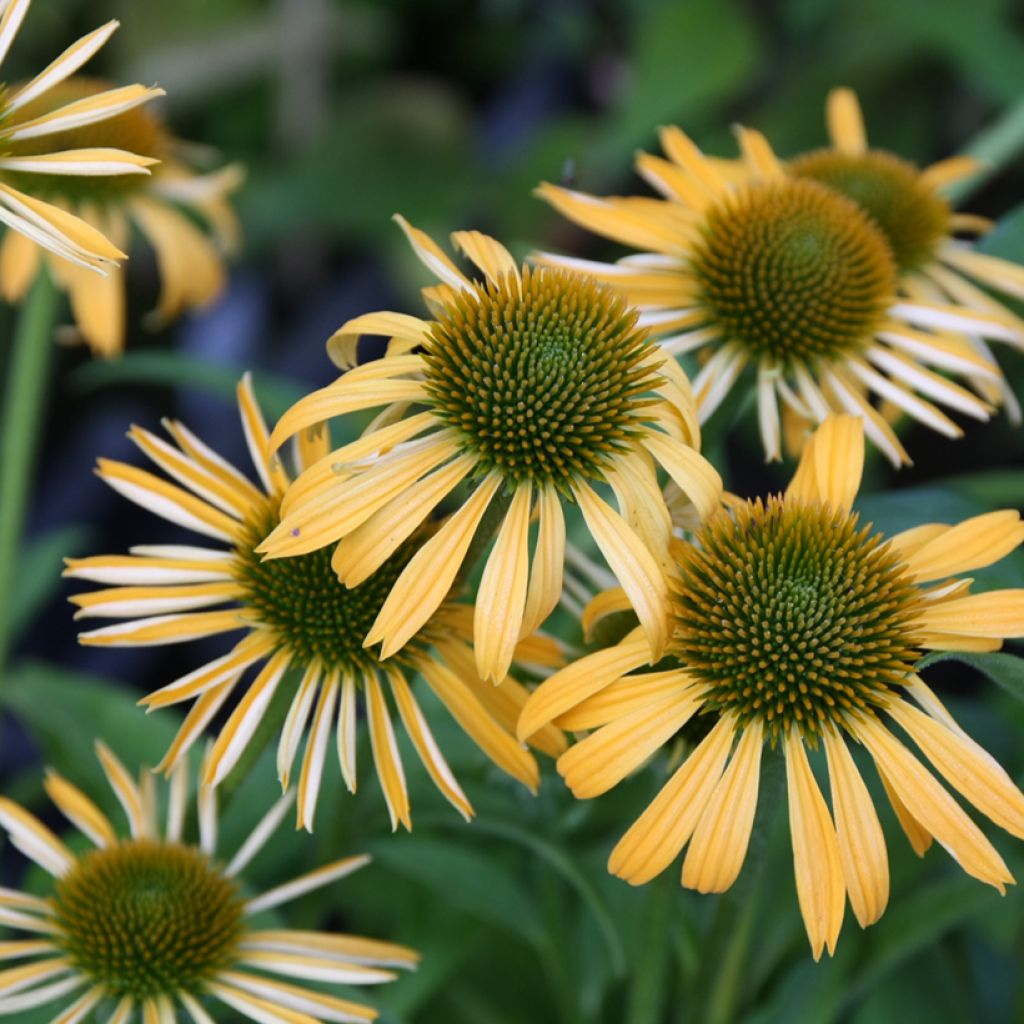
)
(787, 276)
(797, 626)
(910, 206)
(303, 629)
(532, 386)
(167, 206)
(41, 148)
(144, 923)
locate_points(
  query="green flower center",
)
(793, 272)
(793, 614)
(138, 131)
(302, 600)
(144, 918)
(913, 217)
(542, 382)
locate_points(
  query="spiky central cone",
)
(543, 382)
(792, 272)
(143, 918)
(138, 131)
(913, 217)
(792, 613)
(314, 615)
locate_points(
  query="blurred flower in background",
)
(149, 922)
(49, 143)
(183, 214)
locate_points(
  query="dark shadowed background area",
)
(450, 112)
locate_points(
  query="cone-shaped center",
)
(143, 918)
(913, 217)
(314, 615)
(792, 271)
(543, 379)
(792, 613)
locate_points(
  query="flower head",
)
(190, 263)
(531, 385)
(47, 144)
(150, 921)
(798, 626)
(776, 269)
(911, 208)
(302, 628)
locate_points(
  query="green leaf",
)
(39, 570)
(682, 69)
(916, 923)
(566, 867)
(473, 882)
(66, 711)
(1005, 670)
(173, 369)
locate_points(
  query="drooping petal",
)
(817, 864)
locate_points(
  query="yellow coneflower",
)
(798, 626)
(190, 264)
(42, 148)
(533, 385)
(296, 616)
(784, 274)
(910, 207)
(149, 923)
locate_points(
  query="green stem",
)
(994, 147)
(728, 940)
(27, 375)
(650, 977)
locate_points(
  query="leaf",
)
(1005, 670)
(915, 924)
(174, 369)
(66, 711)
(467, 880)
(564, 866)
(39, 571)
(681, 68)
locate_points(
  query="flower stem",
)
(27, 374)
(732, 927)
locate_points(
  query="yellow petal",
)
(426, 580)
(861, 842)
(965, 766)
(998, 614)
(580, 680)
(972, 544)
(633, 565)
(816, 860)
(720, 841)
(501, 596)
(656, 837)
(845, 122)
(501, 747)
(692, 473)
(938, 813)
(602, 760)
(545, 587)
(385, 754)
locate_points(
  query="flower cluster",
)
(536, 413)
